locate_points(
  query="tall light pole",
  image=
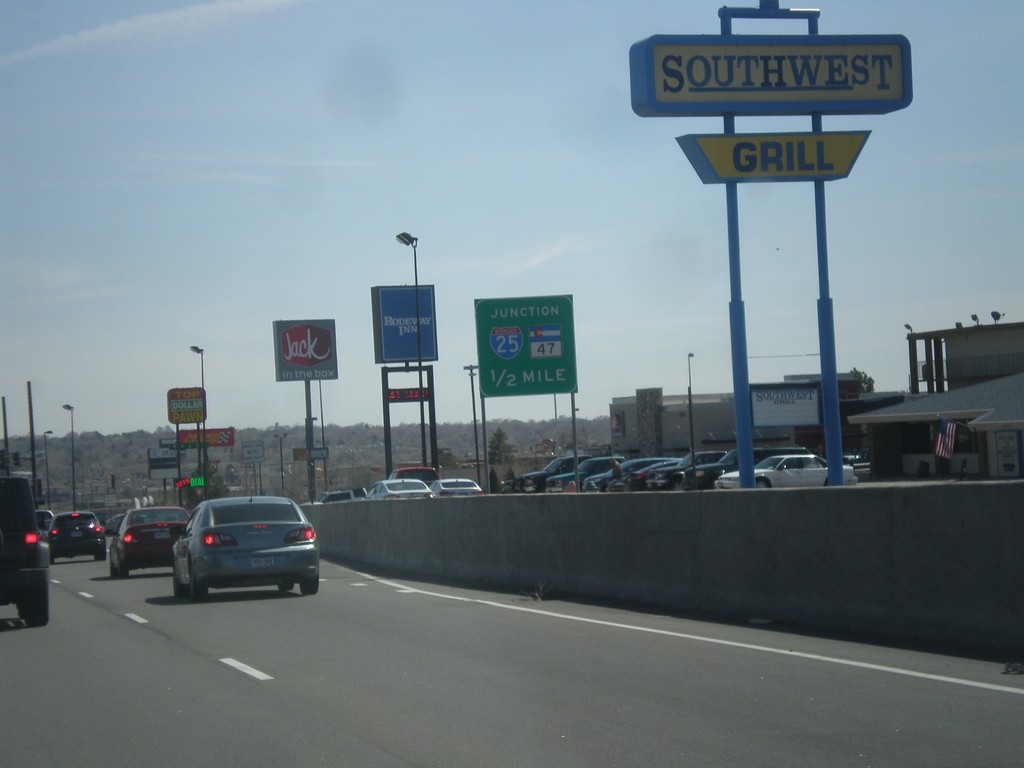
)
(472, 397)
(689, 406)
(74, 485)
(406, 239)
(46, 458)
(280, 451)
(201, 437)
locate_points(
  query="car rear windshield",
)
(16, 505)
(159, 516)
(255, 513)
(406, 485)
(70, 521)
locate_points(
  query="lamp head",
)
(690, 354)
(907, 326)
(197, 350)
(996, 316)
(67, 407)
(975, 319)
(406, 239)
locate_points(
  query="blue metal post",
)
(738, 322)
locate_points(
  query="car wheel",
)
(180, 590)
(762, 482)
(196, 591)
(101, 555)
(34, 609)
(113, 571)
(310, 586)
(286, 586)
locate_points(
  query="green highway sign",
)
(526, 346)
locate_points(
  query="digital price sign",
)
(408, 394)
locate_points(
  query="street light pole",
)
(689, 406)
(46, 458)
(280, 450)
(472, 397)
(201, 437)
(406, 239)
(74, 485)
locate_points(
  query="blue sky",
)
(176, 173)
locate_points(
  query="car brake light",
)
(300, 534)
(218, 539)
(53, 532)
(31, 537)
(128, 538)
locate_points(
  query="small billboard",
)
(395, 322)
(785, 406)
(305, 350)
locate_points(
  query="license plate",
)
(262, 562)
(76, 534)
(162, 535)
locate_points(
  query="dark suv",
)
(703, 477)
(536, 482)
(77, 533)
(24, 554)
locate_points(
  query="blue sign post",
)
(772, 75)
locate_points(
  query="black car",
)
(671, 476)
(703, 477)
(536, 482)
(77, 533)
(24, 555)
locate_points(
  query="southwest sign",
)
(526, 346)
(721, 159)
(693, 75)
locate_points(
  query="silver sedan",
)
(788, 472)
(246, 542)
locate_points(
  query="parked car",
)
(349, 494)
(24, 554)
(703, 477)
(77, 533)
(399, 489)
(634, 474)
(536, 482)
(670, 476)
(608, 482)
(246, 541)
(145, 539)
(800, 471)
(592, 466)
(426, 474)
(456, 486)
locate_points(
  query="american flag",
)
(945, 441)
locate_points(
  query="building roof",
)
(990, 405)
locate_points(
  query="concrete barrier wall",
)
(939, 562)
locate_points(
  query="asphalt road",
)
(382, 672)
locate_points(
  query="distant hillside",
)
(122, 459)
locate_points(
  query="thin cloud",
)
(546, 253)
(167, 25)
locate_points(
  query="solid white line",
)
(246, 669)
(719, 641)
(136, 618)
